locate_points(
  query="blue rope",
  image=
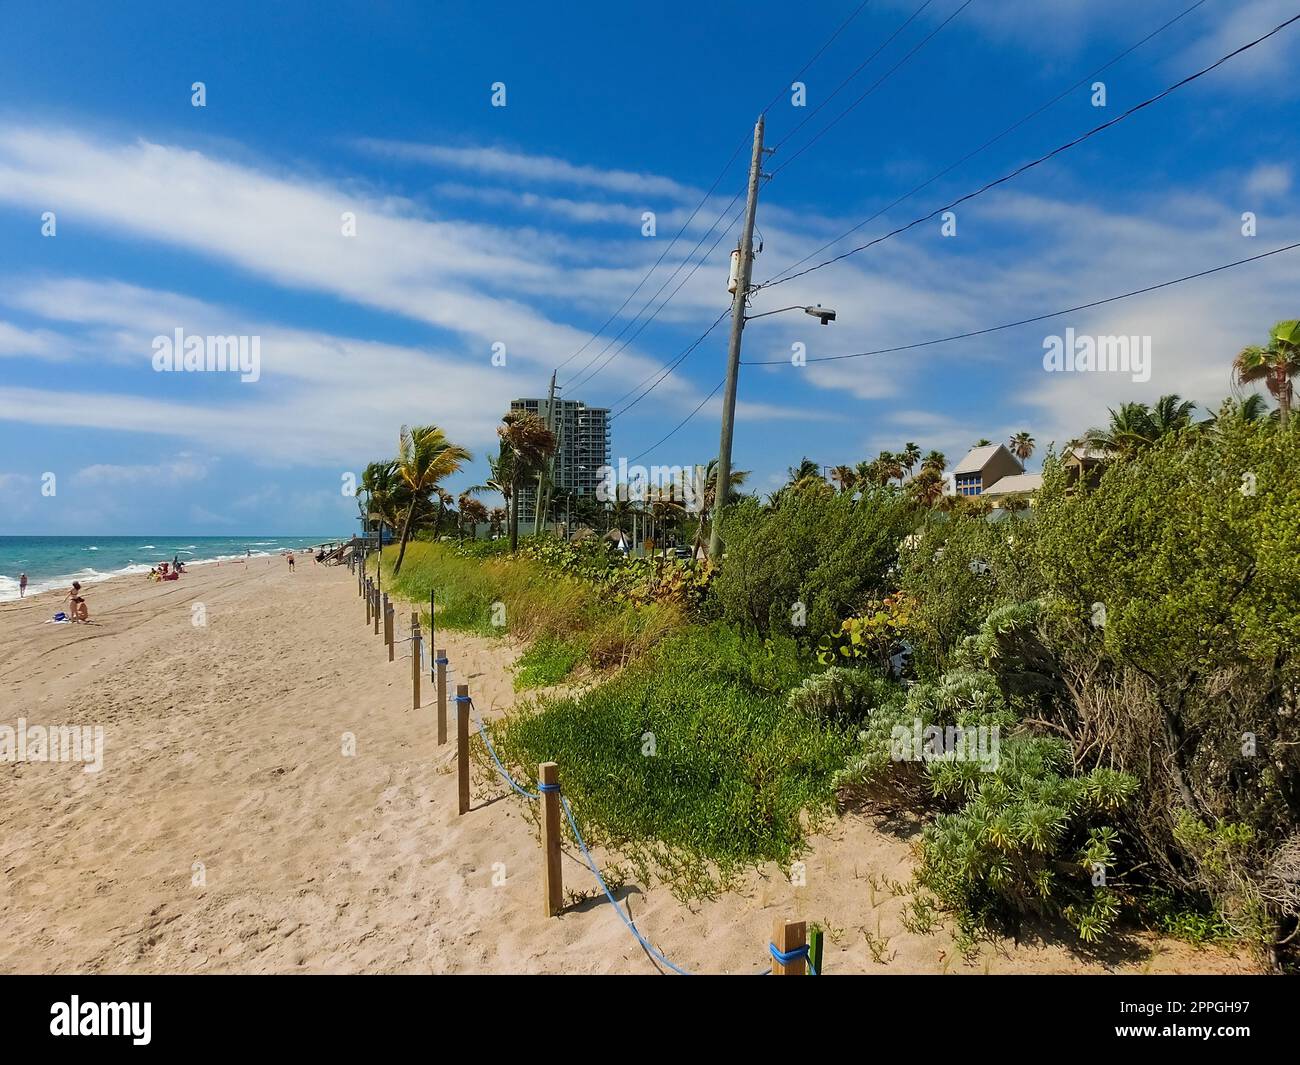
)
(586, 854)
(785, 957)
(501, 768)
(568, 812)
(441, 661)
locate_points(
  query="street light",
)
(823, 314)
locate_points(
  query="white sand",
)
(224, 747)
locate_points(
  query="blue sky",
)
(522, 225)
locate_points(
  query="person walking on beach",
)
(22, 585)
(290, 561)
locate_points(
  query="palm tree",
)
(891, 466)
(471, 511)
(496, 521)
(927, 486)
(1134, 426)
(844, 477)
(384, 496)
(1249, 410)
(911, 456)
(1022, 446)
(529, 443)
(1170, 414)
(983, 442)
(935, 460)
(1275, 364)
(806, 468)
(424, 457)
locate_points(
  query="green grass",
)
(689, 762)
(546, 662)
(531, 601)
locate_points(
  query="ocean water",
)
(56, 561)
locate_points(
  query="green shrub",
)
(842, 694)
(815, 559)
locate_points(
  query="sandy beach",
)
(228, 832)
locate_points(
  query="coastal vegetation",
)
(1117, 663)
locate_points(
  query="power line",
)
(858, 70)
(662, 255)
(716, 181)
(582, 376)
(991, 141)
(1036, 318)
(682, 424)
(880, 81)
(830, 40)
(667, 369)
(809, 144)
(1040, 160)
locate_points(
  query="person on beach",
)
(22, 585)
(77, 604)
(290, 561)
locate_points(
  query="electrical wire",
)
(992, 140)
(1035, 318)
(1041, 159)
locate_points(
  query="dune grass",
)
(566, 620)
(690, 762)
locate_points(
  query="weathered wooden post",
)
(369, 600)
(462, 745)
(440, 679)
(375, 610)
(548, 776)
(415, 661)
(789, 936)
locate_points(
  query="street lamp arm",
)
(779, 310)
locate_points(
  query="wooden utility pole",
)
(744, 271)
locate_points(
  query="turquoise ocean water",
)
(56, 561)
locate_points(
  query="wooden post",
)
(462, 745)
(388, 626)
(788, 936)
(552, 876)
(369, 600)
(376, 610)
(441, 680)
(415, 661)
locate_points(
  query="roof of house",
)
(1086, 454)
(979, 457)
(1017, 482)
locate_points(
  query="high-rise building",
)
(582, 434)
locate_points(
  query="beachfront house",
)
(982, 468)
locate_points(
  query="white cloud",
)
(502, 163)
(1269, 180)
(182, 469)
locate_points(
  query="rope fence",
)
(788, 946)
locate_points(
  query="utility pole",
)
(744, 272)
